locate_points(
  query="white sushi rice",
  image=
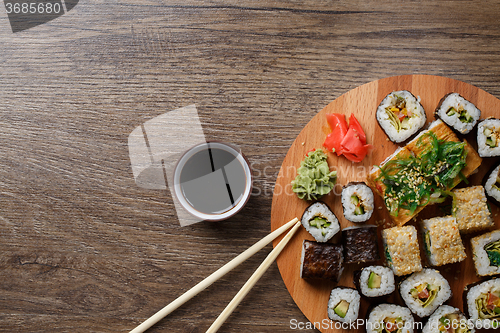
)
(322, 210)
(349, 295)
(473, 294)
(430, 276)
(481, 260)
(432, 325)
(365, 195)
(457, 102)
(493, 192)
(387, 284)
(482, 148)
(375, 320)
(415, 122)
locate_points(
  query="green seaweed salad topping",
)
(420, 180)
(314, 178)
(493, 251)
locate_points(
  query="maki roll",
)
(343, 305)
(425, 291)
(458, 112)
(321, 261)
(442, 242)
(448, 319)
(488, 137)
(375, 281)
(360, 244)
(320, 222)
(482, 303)
(471, 210)
(492, 185)
(357, 201)
(389, 318)
(401, 249)
(400, 115)
(486, 253)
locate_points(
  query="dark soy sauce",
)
(213, 180)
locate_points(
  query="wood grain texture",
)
(311, 297)
(82, 248)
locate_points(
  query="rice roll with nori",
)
(458, 112)
(448, 319)
(486, 253)
(321, 261)
(401, 249)
(357, 201)
(482, 303)
(320, 222)
(389, 318)
(343, 305)
(400, 115)
(375, 281)
(488, 137)
(492, 185)
(360, 244)
(425, 291)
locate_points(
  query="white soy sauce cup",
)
(213, 181)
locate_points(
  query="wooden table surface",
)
(82, 247)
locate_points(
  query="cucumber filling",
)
(492, 137)
(425, 293)
(493, 251)
(391, 325)
(398, 114)
(359, 207)
(451, 323)
(488, 305)
(321, 223)
(463, 115)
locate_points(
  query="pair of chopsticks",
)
(223, 271)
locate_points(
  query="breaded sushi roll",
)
(400, 115)
(482, 303)
(401, 249)
(343, 304)
(492, 184)
(458, 113)
(488, 137)
(360, 244)
(442, 242)
(321, 261)
(389, 318)
(486, 253)
(357, 202)
(471, 210)
(320, 221)
(448, 319)
(423, 292)
(375, 281)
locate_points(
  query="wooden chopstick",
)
(252, 280)
(212, 278)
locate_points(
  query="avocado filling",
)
(427, 244)
(463, 115)
(321, 223)
(425, 293)
(398, 114)
(374, 280)
(342, 308)
(492, 137)
(451, 323)
(392, 325)
(359, 207)
(488, 305)
(493, 251)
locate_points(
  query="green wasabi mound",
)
(314, 178)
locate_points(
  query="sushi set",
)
(399, 208)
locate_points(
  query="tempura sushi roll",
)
(357, 201)
(488, 137)
(471, 210)
(375, 281)
(321, 261)
(442, 242)
(400, 115)
(343, 304)
(423, 292)
(486, 253)
(389, 318)
(320, 221)
(360, 244)
(492, 185)
(448, 319)
(482, 303)
(401, 249)
(458, 112)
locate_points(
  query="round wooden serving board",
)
(312, 297)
